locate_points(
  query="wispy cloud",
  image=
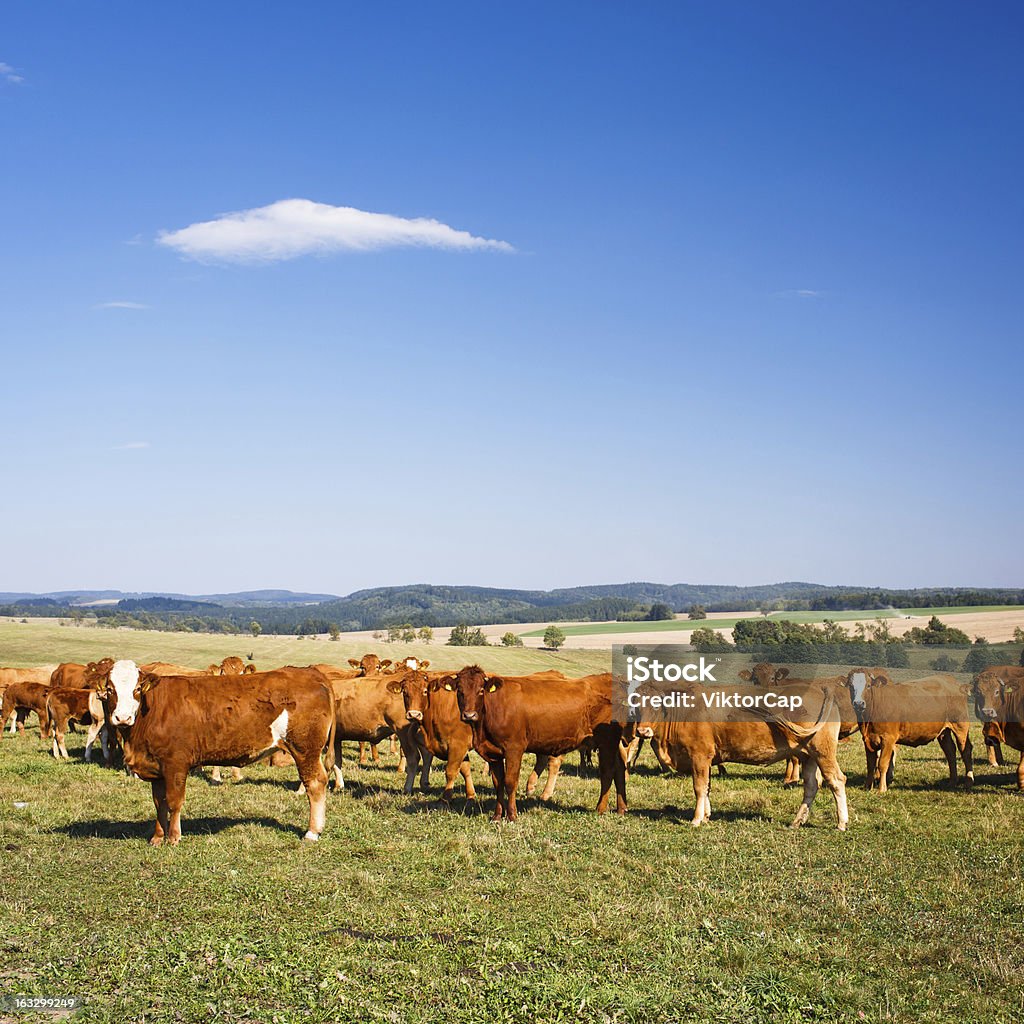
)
(120, 304)
(129, 446)
(9, 74)
(800, 293)
(296, 227)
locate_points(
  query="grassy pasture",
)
(40, 642)
(406, 911)
(728, 621)
(410, 912)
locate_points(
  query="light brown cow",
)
(366, 710)
(891, 713)
(83, 706)
(19, 700)
(511, 715)
(25, 675)
(171, 724)
(810, 734)
(999, 703)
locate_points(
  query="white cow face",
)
(858, 683)
(124, 682)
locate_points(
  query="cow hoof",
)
(311, 837)
(216, 782)
(841, 826)
(156, 841)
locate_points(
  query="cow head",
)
(859, 682)
(762, 674)
(989, 696)
(413, 687)
(122, 686)
(471, 685)
(369, 664)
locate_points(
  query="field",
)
(407, 911)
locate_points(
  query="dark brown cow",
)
(366, 710)
(82, 706)
(20, 699)
(512, 715)
(999, 703)
(70, 675)
(693, 746)
(889, 714)
(171, 724)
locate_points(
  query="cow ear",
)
(449, 685)
(147, 680)
(781, 674)
(394, 686)
(353, 662)
(385, 663)
(424, 665)
(746, 675)
(495, 684)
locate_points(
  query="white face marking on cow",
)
(858, 684)
(124, 677)
(279, 727)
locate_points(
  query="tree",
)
(660, 612)
(937, 632)
(1018, 635)
(697, 611)
(511, 640)
(394, 634)
(334, 631)
(462, 636)
(553, 638)
(944, 663)
(425, 634)
(709, 641)
(255, 628)
(408, 634)
(980, 656)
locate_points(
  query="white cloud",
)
(296, 227)
(9, 74)
(131, 445)
(120, 305)
(800, 293)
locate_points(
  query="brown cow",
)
(433, 704)
(693, 746)
(170, 724)
(890, 713)
(165, 668)
(999, 703)
(83, 706)
(25, 675)
(511, 715)
(20, 699)
(371, 665)
(988, 682)
(366, 710)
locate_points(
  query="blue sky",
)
(758, 315)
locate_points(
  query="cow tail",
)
(329, 760)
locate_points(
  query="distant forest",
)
(425, 605)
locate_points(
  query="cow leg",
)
(339, 779)
(105, 745)
(428, 760)
(175, 783)
(215, 779)
(885, 756)
(810, 777)
(58, 739)
(374, 753)
(554, 767)
(701, 790)
(236, 774)
(609, 767)
(792, 775)
(162, 813)
(467, 777)
(362, 754)
(498, 777)
(966, 748)
(393, 747)
(314, 779)
(411, 757)
(94, 730)
(829, 771)
(948, 746)
(534, 777)
(871, 759)
(513, 764)
(995, 753)
(20, 717)
(1020, 772)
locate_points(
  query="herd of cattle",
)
(165, 720)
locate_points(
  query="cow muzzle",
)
(989, 714)
(416, 716)
(122, 719)
(469, 716)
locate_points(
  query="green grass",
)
(405, 912)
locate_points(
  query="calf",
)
(512, 715)
(171, 724)
(999, 703)
(890, 713)
(693, 746)
(83, 706)
(19, 700)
